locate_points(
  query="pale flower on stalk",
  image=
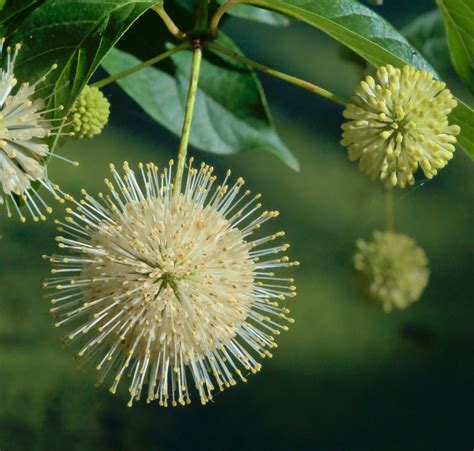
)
(24, 150)
(172, 290)
(397, 123)
(394, 268)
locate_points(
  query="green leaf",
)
(459, 21)
(463, 116)
(250, 12)
(426, 33)
(231, 112)
(354, 25)
(10, 8)
(13, 13)
(75, 34)
(368, 35)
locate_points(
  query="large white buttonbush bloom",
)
(397, 123)
(171, 290)
(23, 148)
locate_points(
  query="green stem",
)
(188, 117)
(289, 78)
(214, 24)
(172, 27)
(202, 16)
(389, 209)
(138, 67)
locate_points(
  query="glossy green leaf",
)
(231, 113)
(459, 21)
(426, 33)
(368, 35)
(463, 116)
(75, 34)
(354, 25)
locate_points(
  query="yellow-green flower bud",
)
(90, 113)
(397, 123)
(394, 267)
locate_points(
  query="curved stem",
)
(289, 78)
(172, 27)
(389, 209)
(214, 24)
(132, 70)
(188, 117)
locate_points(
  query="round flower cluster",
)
(398, 122)
(24, 149)
(90, 113)
(395, 268)
(171, 289)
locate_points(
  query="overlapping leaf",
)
(231, 114)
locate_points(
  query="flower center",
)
(170, 280)
(402, 121)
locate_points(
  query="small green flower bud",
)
(394, 267)
(90, 113)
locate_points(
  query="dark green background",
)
(346, 377)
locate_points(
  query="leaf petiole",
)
(172, 27)
(282, 76)
(214, 24)
(138, 67)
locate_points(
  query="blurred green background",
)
(346, 377)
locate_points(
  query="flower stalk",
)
(188, 116)
(389, 210)
(281, 75)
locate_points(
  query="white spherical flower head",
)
(394, 267)
(173, 290)
(398, 122)
(23, 147)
